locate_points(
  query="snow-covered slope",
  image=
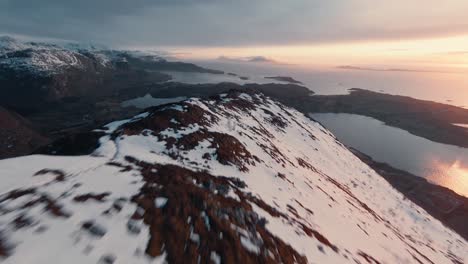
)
(48, 58)
(238, 178)
(34, 73)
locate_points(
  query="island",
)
(284, 79)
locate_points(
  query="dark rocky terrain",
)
(17, 135)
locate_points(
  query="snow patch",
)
(160, 202)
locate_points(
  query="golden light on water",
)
(453, 176)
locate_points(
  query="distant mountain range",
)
(32, 73)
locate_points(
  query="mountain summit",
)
(236, 178)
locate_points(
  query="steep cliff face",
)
(237, 178)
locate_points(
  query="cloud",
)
(357, 68)
(260, 59)
(231, 23)
(253, 59)
(459, 52)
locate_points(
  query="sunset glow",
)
(449, 53)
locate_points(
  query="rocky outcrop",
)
(286, 79)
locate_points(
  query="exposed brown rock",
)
(91, 196)
(228, 150)
(306, 164)
(124, 167)
(4, 247)
(22, 221)
(368, 258)
(59, 175)
(164, 117)
(305, 208)
(199, 219)
(14, 194)
(319, 237)
(50, 205)
(276, 120)
(93, 228)
(275, 153)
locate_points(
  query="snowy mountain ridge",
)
(48, 58)
(44, 58)
(234, 178)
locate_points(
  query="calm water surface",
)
(148, 101)
(448, 88)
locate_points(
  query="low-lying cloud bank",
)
(357, 68)
(253, 59)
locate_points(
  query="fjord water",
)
(442, 164)
(444, 87)
(148, 101)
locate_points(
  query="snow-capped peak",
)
(234, 178)
(48, 58)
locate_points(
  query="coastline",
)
(427, 119)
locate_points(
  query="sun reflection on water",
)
(453, 176)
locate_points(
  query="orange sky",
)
(440, 53)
